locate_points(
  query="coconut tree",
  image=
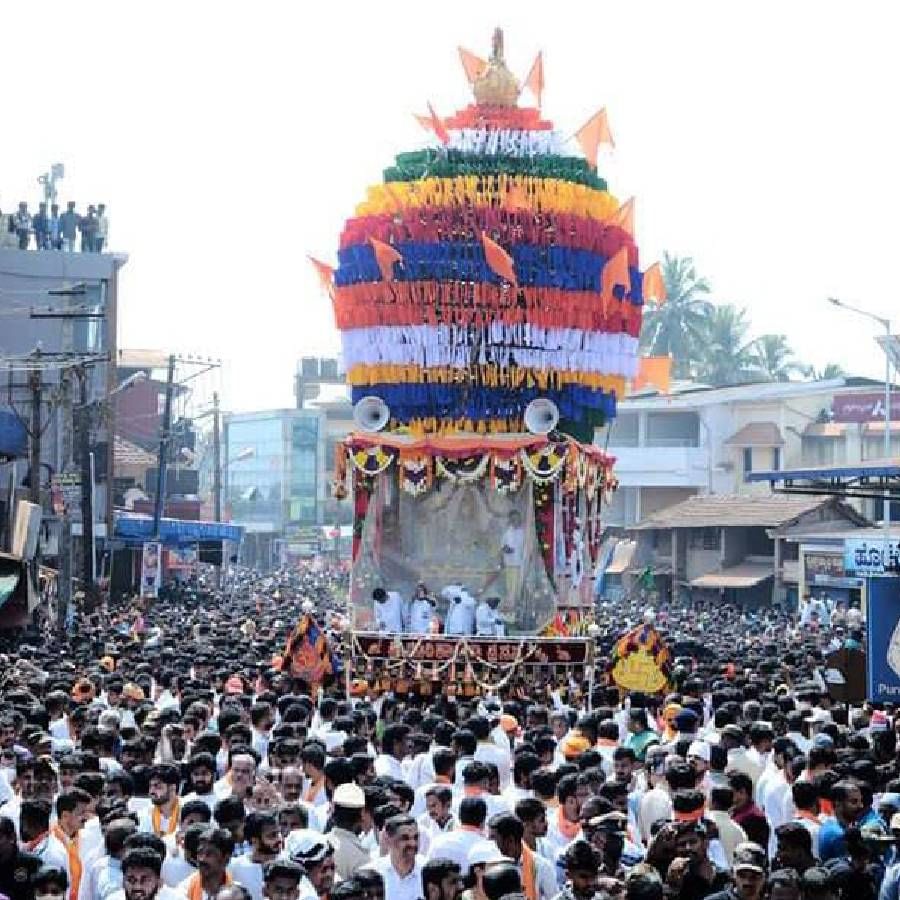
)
(773, 358)
(728, 355)
(828, 372)
(677, 327)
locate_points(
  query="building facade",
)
(66, 306)
(277, 479)
(700, 440)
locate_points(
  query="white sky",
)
(229, 140)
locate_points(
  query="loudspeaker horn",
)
(371, 414)
(541, 416)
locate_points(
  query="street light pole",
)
(886, 324)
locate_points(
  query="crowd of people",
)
(50, 229)
(164, 749)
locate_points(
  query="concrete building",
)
(702, 440)
(278, 466)
(66, 305)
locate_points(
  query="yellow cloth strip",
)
(547, 194)
(491, 376)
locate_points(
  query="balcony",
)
(670, 465)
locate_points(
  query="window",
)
(679, 429)
(776, 458)
(748, 459)
(623, 431)
(704, 539)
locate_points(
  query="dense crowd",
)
(163, 749)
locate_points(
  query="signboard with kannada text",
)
(872, 556)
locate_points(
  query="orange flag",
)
(615, 272)
(385, 256)
(654, 287)
(592, 134)
(535, 80)
(499, 260)
(655, 371)
(437, 125)
(474, 65)
(624, 217)
(424, 121)
(326, 275)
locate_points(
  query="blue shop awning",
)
(137, 529)
(873, 478)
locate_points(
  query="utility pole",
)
(64, 589)
(217, 460)
(164, 439)
(36, 386)
(87, 498)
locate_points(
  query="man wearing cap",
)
(401, 869)
(262, 832)
(314, 852)
(749, 873)
(346, 828)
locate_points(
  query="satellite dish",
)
(541, 416)
(371, 414)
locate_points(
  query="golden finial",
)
(496, 86)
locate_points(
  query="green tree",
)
(773, 358)
(728, 356)
(828, 372)
(677, 328)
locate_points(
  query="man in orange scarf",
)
(162, 817)
(538, 877)
(564, 826)
(71, 814)
(141, 868)
(213, 855)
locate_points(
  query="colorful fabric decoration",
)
(641, 661)
(489, 269)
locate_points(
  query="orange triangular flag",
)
(438, 127)
(654, 287)
(592, 134)
(615, 272)
(499, 260)
(326, 275)
(424, 121)
(535, 79)
(385, 256)
(653, 371)
(624, 217)
(474, 65)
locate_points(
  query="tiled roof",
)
(757, 434)
(709, 511)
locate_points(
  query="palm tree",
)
(676, 328)
(728, 356)
(774, 359)
(828, 372)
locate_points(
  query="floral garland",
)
(458, 473)
(416, 474)
(372, 461)
(506, 474)
(545, 464)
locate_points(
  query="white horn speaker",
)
(371, 414)
(541, 416)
